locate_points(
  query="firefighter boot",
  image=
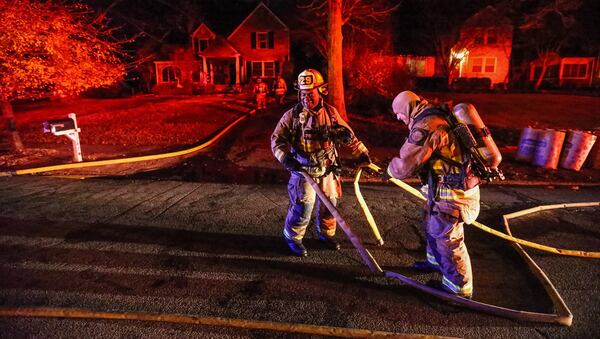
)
(297, 247)
(330, 243)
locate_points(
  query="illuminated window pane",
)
(574, 70)
(477, 66)
(582, 70)
(490, 65)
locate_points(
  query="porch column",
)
(561, 65)
(237, 70)
(212, 75)
(158, 74)
(204, 69)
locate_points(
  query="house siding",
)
(262, 21)
(499, 51)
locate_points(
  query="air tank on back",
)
(467, 114)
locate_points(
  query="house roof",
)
(204, 27)
(489, 16)
(260, 5)
(220, 48)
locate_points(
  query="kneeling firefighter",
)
(307, 139)
(451, 172)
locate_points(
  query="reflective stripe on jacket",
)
(308, 143)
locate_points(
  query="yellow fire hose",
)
(562, 317)
(416, 193)
(207, 143)
(50, 312)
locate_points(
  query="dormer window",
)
(201, 45)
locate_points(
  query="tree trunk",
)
(539, 80)
(9, 127)
(334, 57)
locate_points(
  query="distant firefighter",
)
(260, 91)
(435, 151)
(307, 139)
(279, 89)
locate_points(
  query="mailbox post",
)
(67, 127)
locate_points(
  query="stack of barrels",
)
(551, 148)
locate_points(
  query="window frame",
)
(262, 68)
(577, 70)
(171, 71)
(260, 40)
(483, 64)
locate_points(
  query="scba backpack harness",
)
(473, 170)
(334, 132)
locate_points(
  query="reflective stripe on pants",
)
(302, 200)
(445, 243)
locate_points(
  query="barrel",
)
(527, 144)
(594, 156)
(576, 149)
(547, 152)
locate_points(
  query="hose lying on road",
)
(218, 135)
(416, 193)
(563, 315)
(364, 253)
(51, 312)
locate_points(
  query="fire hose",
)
(211, 140)
(509, 237)
(563, 315)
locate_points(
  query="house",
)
(420, 66)
(258, 47)
(564, 72)
(484, 49)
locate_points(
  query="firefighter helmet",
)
(310, 79)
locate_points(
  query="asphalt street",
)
(213, 249)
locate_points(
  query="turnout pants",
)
(446, 249)
(261, 101)
(302, 200)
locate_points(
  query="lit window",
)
(477, 66)
(490, 65)
(262, 40)
(574, 70)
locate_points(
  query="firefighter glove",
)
(290, 163)
(363, 160)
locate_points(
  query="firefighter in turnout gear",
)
(279, 89)
(307, 139)
(260, 90)
(434, 153)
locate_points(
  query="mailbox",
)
(67, 127)
(61, 125)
